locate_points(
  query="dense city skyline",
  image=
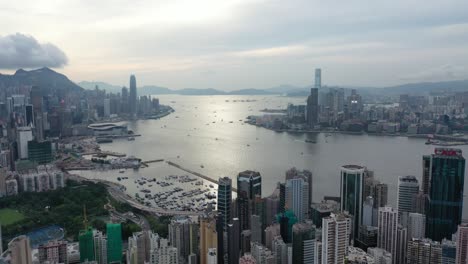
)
(239, 44)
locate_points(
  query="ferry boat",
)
(130, 138)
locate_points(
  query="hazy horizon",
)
(239, 44)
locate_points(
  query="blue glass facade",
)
(445, 199)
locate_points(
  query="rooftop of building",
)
(353, 167)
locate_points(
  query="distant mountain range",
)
(53, 82)
(290, 90)
(48, 80)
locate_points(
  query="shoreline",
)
(447, 139)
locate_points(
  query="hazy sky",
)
(234, 44)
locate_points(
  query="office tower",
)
(20, 250)
(245, 241)
(368, 212)
(162, 253)
(321, 210)
(221, 250)
(114, 243)
(449, 251)
(354, 105)
(462, 244)
(271, 207)
(40, 152)
(351, 190)
(297, 197)
(282, 197)
(233, 234)
(247, 259)
(419, 203)
(445, 198)
(303, 242)
(306, 175)
(132, 104)
(335, 238)
(387, 236)
(224, 201)
(416, 225)
(249, 185)
(381, 256)
(312, 108)
(125, 101)
(256, 228)
(367, 237)
(380, 195)
(401, 244)
(107, 107)
(286, 221)
(318, 78)
(424, 251)
(86, 244)
(408, 187)
(24, 134)
(271, 232)
(54, 252)
(208, 236)
(280, 250)
(211, 256)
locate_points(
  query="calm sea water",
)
(200, 133)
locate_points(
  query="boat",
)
(130, 138)
(119, 179)
(310, 141)
(201, 166)
(428, 142)
(248, 145)
(121, 171)
(211, 186)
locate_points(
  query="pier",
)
(145, 163)
(197, 174)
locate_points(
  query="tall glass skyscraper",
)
(351, 190)
(446, 169)
(224, 201)
(249, 185)
(132, 104)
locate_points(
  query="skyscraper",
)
(297, 197)
(208, 236)
(114, 243)
(318, 78)
(181, 235)
(445, 198)
(249, 185)
(312, 108)
(286, 221)
(351, 190)
(335, 238)
(224, 201)
(132, 104)
(387, 236)
(280, 250)
(303, 242)
(462, 244)
(416, 225)
(233, 241)
(401, 244)
(408, 187)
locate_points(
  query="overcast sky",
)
(235, 44)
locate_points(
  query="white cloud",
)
(22, 51)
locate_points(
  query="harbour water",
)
(207, 134)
